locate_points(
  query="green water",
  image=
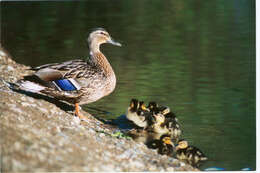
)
(197, 57)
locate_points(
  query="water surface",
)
(197, 57)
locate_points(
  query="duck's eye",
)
(103, 33)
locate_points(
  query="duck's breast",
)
(96, 88)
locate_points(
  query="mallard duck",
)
(138, 113)
(164, 145)
(76, 81)
(190, 154)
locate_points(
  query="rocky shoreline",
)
(42, 134)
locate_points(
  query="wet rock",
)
(39, 135)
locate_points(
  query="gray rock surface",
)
(38, 134)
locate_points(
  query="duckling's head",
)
(152, 106)
(166, 139)
(134, 104)
(164, 110)
(182, 144)
(99, 36)
(142, 106)
(159, 118)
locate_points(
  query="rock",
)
(40, 134)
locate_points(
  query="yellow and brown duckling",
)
(155, 108)
(164, 145)
(76, 81)
(189, 154)
(165, 122)
(154, 118)
(138, 113)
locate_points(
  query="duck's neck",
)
(94, 46)
(100, 60)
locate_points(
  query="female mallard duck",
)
(76, 81)
(190, 154)
(138, 113)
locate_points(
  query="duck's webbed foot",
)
(78, 114)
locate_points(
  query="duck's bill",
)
(114, 42)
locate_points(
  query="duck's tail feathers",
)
(26, 86)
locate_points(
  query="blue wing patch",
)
(65, 85)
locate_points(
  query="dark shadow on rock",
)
(62, 105)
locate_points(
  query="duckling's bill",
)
(167, 140)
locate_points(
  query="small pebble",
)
(170, 169)
(10, 68)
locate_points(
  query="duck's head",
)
(99, 36)
(182, 144)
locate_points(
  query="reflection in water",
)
(196, 57)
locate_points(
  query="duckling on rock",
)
(164, 145)
(138, 113)
(190, 154)
(165, 125)
(155, 108)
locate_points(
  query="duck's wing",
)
(55, 71)
(57, 80)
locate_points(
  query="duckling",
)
(190, 154)
(155, 108)
(158, 126)
(138, 113)
(166, 125)
(164, 145)
(152, 106)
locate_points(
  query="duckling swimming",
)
(190, 154)
(76, 81)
